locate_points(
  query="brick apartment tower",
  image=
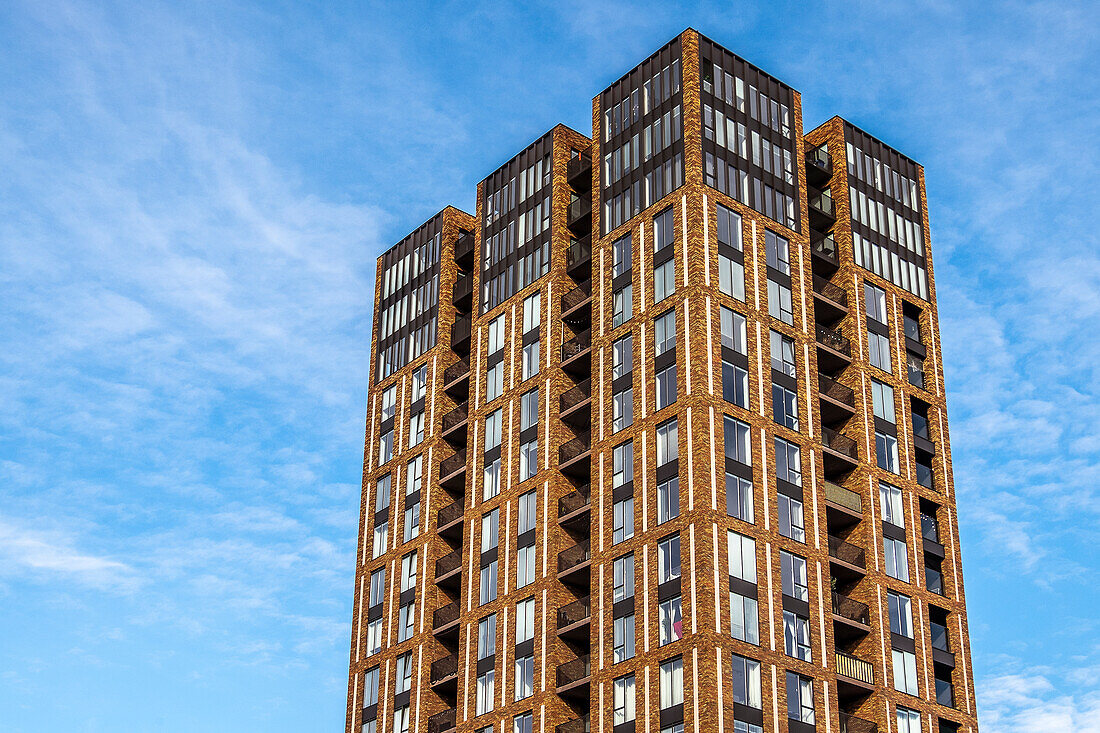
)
(660, 443)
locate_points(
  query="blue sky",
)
(191, 203)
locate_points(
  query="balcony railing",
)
(579, 252)
(574, 612)
(840, 443)
(453, 463)
(819, 157)
(576, 296)
(574, 671)
(443, 668)
(835, 340)
(456, 371)
(455, 417)
(464, 286)
(576, 345)
(934, 580)
(445, 615)
(916, 376)
(460, 332)
(924, 475)
(464, 245)
(448, 514)
(945, 693)
(825, 247)
(851, 609)
(448, 563)
(580, 725)
(576, 395)
(578, 167)
(848, 553)
(939, 637)
(579, 208)
(833, 292)
(855, 668)
(843, 497)
(574, 556)
(852, 724)
(574, 500)
(442, 721)
(572, 449)
(836, 391)
(823, 202)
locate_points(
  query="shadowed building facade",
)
(657, 439)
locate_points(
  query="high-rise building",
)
(657, 440)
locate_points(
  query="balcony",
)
(578, 258)
(834, 350)
(852, 724)
(460, 335)
(445, 623)
(574, 456)
(849, 561)
(851, 612)
(934, 580)
(580, 725)
(574, 563)
(448, 569)
(574, 676)
(580, 213)
(463, 291)
(840, 452)
(576, 404)
(452, 472)
(464, 250)
(575, 508)
(576, 305)
(442, 721)
(579, 172)
(824, 250)
(838, 402)
(448, 522)
(819, 166)
(830, 301)
(454, 426)
(456, 380)
(575, 619)
(844, 506)
(822, 210)
(924, 475)
(444, 673)
(576, 353)
(855, 677)
(945, 693)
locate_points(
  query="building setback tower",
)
(657, 440)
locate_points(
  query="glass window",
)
(890, 501)
(530, 360)
(800, 698)
(782, 350)
(377, 587)
(525, 677)
(735, 385)
(623, 638)
(622, 409)
(778, 252)
(487, 588)
(412, 522)
(622, 306)
(668, 559)
(620, 255)
(623, 700)
(525, 620)
(492, 429)
(381, 536)
(731, 277)
(737, 441)
(489, 529)
(401, 720)
(403, 678)
(622, 356)
(484, 696)
(729, 227)
(664, 280)
(733, 330)
(494, 381)
(793, 570)
(897, 560)
(496, 334)
(739, 498)
(784, 406)
(622, 460)
(662, 230)
(389, 402)
(672, 683)
(742, 557)
(529, 409)
(664, 330)
(875, 298)
(666, 387)
(622, 520)
(522, 723)
(374, 636)
(491, 484)
(905, 671)
(414, 475)
(796, 636)
(912, 326)
(668, 500)
(746, 682)
(382, 494)
(791, 521)
(886, 451)
(416, 429)
(779, 302)
(406, 622)
(744, 618)
(670, 617)
(528, 460)
(419, 383)
(370, 687)
(385, 447)
(532, 312)
(528, 505)
(879, 348)
(622, 585)
(525, 566)
(668, 446)
(901, 614)
(908, 720)
(788, 462)
(882, 398)
(408, 572)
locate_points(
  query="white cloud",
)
(51, 558)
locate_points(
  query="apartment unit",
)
(657, 440)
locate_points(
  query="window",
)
(622, 585)
(668, 446)
(530, 360)
(739, 501)
(414, 475)
(419, 383)
(890, 501)
(664, 280)
(412, 522)
(800, 698)
(494, 381)
(672, 683)
(879, 347)
(897, 560)
(908, 720)
(876, 302)
(791, 521)
(779, 302)
(778, 252)
(784, 407)
(529, 409)
(528, 505)
(532, 312)
(491, 485)
(490, 527)
(525, 566)
(385, 447)
(623, 638)
(620, 255)
(782, 349)
(668, 559)
(382, 494)
(735, 385)
(793, 570)
(744, 618)
(742, 557)
(746, 682)
(401, 720)
(381, 535)
(664, 332)
(389, 402)
(901, 614)
(622, 409)
(905, 671)
(496, 334)
(484, 693)
(886, 450)
(408, 572)
(915, 369)
(622, 356)
(522, 723)
(377, 587)
(911, 323)
(622, 306)
(670, 615)
(622, 464)
(736, 434)
(370, 687)
(733, 330)
(525, 620)
(525, 677)
(492, 429)
(666, 387)
(731, 277)
(668, 500)
(528, 460)
(729, 227)
(487, 636)
(788, 462)
(374, 636)
(487, 589)
(403, 678)
(662, 230)
(882, 398)
(623, 700)
(623, 520)
(796, 636)
(406, 622)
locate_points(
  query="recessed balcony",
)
(574, 677)
(853, 724)
(574, 620)
(579, 172)
(445, 623)
(460, 335)
(853, 618)
(454, 426)
(464, 250)
(825, 252)
(822, 210)
(576, 404)
(843, 507)
(849, 561)
(456, 380)
(448, 570)
(830, 301)
(443, 676)
(580, 213)
(578, 258)
(840, 453)
(834, 350)
(574, 457)
(576, 353)
(574, 564)
(580, 725)
(838, 401)
(819, 166)
(448, 522)
(442, 721)
(576, 305)
(463, 292)
(452, 472)
(855, 676)
(575, 509)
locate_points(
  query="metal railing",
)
(826, 247)
(836, 390)
(578, 166)
(448, 514)
(823, 202)
(576, 345)
(579, 208)
(453, 463)
(464, 285)
(576, 296)
(840, 443)
(448, 563)
(572, 449)
(574, 671)
(455, 417)
(575, 612)
(831, 291)
(855, 668)
(442, 721)
(848, 553)
(464, 245)
(852, 724)
(834, 340)
(820, 157)
(443, 668)
(851, 609)
(574, 556)
(445, 615)
(460, 331)
(574, 500)
(579, 252)
(580, 725)
(844, 497)
(945, 693)
(455, 371)
(576, 395)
